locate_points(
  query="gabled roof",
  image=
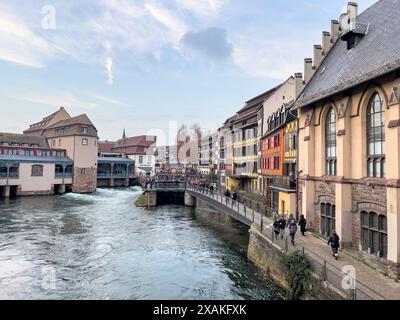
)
(81, 119)
(20, 139)
(106, 146)
(44, 123)
(144, 141)
(377, 54)
(260, 99)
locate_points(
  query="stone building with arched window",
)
(349, 136)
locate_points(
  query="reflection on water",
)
(101, 246)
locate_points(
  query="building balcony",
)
(60, 175)
(283, 183)
(115, 175)
(10, 176)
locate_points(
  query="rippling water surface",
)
(102, 247)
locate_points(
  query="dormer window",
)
(354, 34)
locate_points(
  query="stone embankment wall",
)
(268, 257)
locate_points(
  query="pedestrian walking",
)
(334, 241)
(234, 196)
(227, 193)
(303, 224)
(292, 230)
(277, 229)
(282, 226)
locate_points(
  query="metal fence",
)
(325, 271)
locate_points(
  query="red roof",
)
(130, 146)
(106, 146)
(143, 141)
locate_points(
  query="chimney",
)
(299, 83)
(317, 56)
(326, 42)
(347, 17)
(335, 31)
(308, 69)
(352, 10)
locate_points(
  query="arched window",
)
(376, 137)
(330, 142)
(374, 234)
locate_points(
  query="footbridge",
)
(264, 247)
(246, 213)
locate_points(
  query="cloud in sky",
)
(152, 52)
(18, 44)
(145, 27)
(109, 100)
(211, 42)
(203, 8)
(64, 100)
(108, 64)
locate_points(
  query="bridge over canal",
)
(265, 248)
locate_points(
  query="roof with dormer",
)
(82, 119)
(377, 54)
(45, 122)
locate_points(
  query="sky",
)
(150, 66)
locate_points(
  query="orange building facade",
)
(273, 152)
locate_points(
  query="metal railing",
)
(283, 182)
(114, 175)
(325, 271)
(329, 273)
(11, 175)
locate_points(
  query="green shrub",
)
(299, 274)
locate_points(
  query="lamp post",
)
(297, 194)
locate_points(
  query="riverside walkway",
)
(369, 283)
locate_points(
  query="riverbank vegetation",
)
(298, 274)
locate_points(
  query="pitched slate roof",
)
(21, 139)
(81, 119)
(44, 123)
(377, 54)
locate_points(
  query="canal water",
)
(101, 246)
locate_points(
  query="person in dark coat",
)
(277, 228)
(302, 224)
(334, 241)
(234, 196)
(282, 226)
(227, 193)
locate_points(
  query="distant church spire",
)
(124, 135)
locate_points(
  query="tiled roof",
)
(106, 146)
(23, 139)
(377, 53)
(42, 124)
(81, 119)
(144, 141)
(32, 159)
